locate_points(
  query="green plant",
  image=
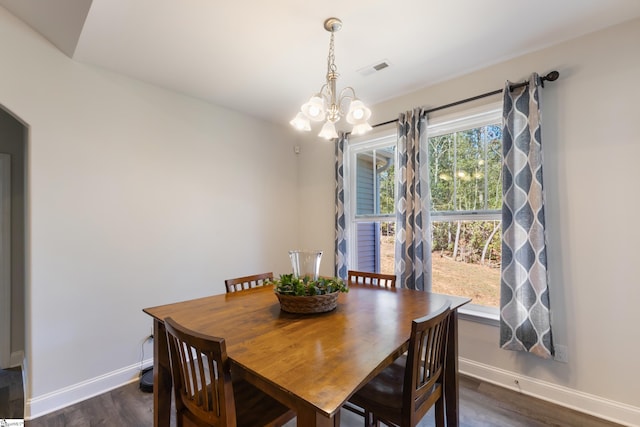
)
(287, 284)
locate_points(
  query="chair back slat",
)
(371, 279)
(239, 284)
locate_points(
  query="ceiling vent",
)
(374, 68)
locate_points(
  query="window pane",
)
(386, 179)
(375, 181)
(466, 259)
(365, 189)
(387, 247)
(441, 172)
(375, 246)
(466, 170)
(494, 166)
(470, 170)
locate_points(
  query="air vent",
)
(381, 66)
(374, 68)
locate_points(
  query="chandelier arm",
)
(343, 97)
(325, 91)
(343, 94)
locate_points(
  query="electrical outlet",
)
(561, 353)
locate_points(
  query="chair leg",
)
(440, 412)
(368, 419)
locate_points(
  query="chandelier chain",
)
(331, 65)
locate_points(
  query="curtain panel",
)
(525, 320)
(413, 220)
(340, 220)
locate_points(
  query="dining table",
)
(313, 363)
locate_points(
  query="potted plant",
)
(304, 295)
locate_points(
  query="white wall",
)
(592, 147)
(137, 197)
(316, 197)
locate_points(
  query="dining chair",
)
(404, 391)
(206, 394)
(371, 279)
(242, 283)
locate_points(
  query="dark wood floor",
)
(481, 405)
(11, 394)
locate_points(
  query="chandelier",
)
(327, 105)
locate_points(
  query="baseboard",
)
(50, 402)
(584, 402)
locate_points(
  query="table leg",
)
(451, 398)
(161, 377)
(310, 418)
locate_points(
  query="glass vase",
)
(306, 263)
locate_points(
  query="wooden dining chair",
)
(205, 393)
(242, 283)
(405, 390)
(371, 279)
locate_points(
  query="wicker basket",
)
(308, 304)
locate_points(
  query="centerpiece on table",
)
(304, 291)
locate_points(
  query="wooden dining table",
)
(312, 363)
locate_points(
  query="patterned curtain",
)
(341, 237)
(525, 323)
(413, 220)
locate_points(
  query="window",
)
(371, 180)
(465, 176)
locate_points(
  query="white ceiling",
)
(265, 58)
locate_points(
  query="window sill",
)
(479, 314)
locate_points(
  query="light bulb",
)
(300, 122)
(358, 113)
(314, 109)
(328, 131)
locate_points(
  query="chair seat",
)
(382, 392)
(255, 408)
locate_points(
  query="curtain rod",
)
(550, 77)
